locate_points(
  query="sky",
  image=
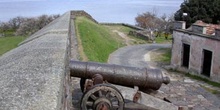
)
(117, 11)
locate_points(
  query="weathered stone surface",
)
(145, 99)
(33, 75)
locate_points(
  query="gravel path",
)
(182, 91)
(124, 36)
(135, 55)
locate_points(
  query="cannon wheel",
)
(102, 97)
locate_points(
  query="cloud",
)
(165, 3)
(20, 0)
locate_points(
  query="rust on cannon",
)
(144, 78)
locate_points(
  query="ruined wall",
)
(197, 44)
(35, 75)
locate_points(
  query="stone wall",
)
(197, 43)
(139, 34)
(35, 75)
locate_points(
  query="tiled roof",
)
(210, 28)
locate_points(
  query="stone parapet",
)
(34, 76)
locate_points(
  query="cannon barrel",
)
(144, 78)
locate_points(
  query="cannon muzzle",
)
(144, 78)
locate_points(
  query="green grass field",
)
(8, 43)
(97, 41)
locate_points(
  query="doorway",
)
(186, 55)
(207, 62)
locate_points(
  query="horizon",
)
(122, 11)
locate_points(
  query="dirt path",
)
(124, 36)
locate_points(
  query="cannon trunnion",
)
(100, 95)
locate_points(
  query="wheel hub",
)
(102, 104)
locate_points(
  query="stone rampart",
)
(124, 24)
(82, 13)
(35, 76)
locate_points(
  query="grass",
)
(161, 55)
(8, 33)
(126, 31)
(120, 28)
(215, 84)
(210, 90)
(166, 56)
(162, 39)
(97, 41)
(199, 78)
(8, 43)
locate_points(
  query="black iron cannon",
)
(101, 96)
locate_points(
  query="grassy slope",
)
(126, 30)
(97, 41)
(8, 43)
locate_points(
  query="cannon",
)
(96, 80)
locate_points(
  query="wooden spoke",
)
(100, 93)
(93, 97)
(89, 103)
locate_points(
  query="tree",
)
(4, 26)
(27, 27)
(148, 21)
(31, 25)
(15, 22)
(151, 22)
(205, 10)
(42, 21)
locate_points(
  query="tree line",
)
(155, 24)
(193, 10)
(25, 26)
(190, 11)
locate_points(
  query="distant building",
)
(197, 49)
